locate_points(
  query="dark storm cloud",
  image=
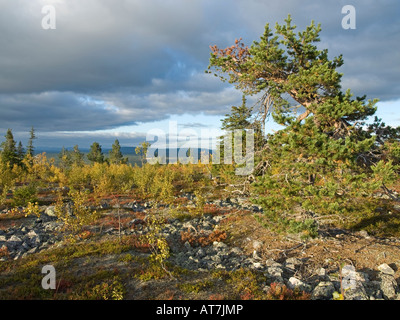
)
(113, 63)
(53, 111)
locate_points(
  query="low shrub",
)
(279, 291)
(202, 238)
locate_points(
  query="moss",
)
(243, 283)
(196, 287)
(150, 271)
(126, 258)
(102, 286)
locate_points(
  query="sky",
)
(119, 69)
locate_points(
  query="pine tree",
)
(115, 154)
(95, 154)
(320, 161)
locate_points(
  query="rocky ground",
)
(228, 238)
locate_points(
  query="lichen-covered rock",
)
(386, 269)
(294, 283)
(388, 286)
(323, 291)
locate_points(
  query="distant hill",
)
(128, 152)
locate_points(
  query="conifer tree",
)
(115, 154)
(20, 153)
(30, 149)
(65, 158)
(95, 154)
(142, 149)
(239, 118)
(320, 161)
(77, 157)
(9, 150)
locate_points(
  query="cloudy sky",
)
(119, 68)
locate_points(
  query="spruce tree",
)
(9, 150)
(320, 162)
(95, 154)
(115, 154)
(30, 149)
(238, 118)
(77, 157)
(20, 153)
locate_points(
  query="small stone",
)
(187, 245)
(236, 251)
(364, 234)
(323, 291)
(33, 250)
(321, 272)
(294, 261)
(256, 256)
(219, 245)
(272, 263)
(294, 283)
(217, 219)
(32, 234)
(207, 225)
(384, 268)
(200, 253)
(388, 286)
(193, 259)
(292, 264)
(50, 211)
(275, 271)
(257, 245)
(217, 258)
(14, 242)
(18, 255)
(15, 239)
(357, 293)
(25, 246)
